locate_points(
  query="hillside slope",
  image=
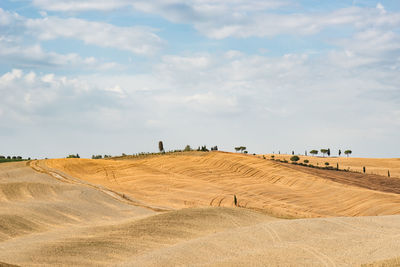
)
(53, 220)
(211, 179)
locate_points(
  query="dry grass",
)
(211, 179)
(108, 216)
(378, 166)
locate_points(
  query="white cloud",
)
(138, 40)
(18, 29)
(240, 18)
(210, 6)
(34, 56)
(381, 8)
(73, 5)
(294, 93)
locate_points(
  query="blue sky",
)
(112, 77)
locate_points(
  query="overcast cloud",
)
(111, 77)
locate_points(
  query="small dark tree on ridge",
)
(161, 146)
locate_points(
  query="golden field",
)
(178, 209)
(379, 166)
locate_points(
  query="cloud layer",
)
(105, 88)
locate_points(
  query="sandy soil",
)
(129, 213)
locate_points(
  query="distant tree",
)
(8, 157)
(306, 161)
(329, 152)
(363, 169)
(245, 152)
(204, 148)
(305, 153)
(187, 148)
(235, 200)
(324, 151)
(388, 173)
(161, 146)
(292, 152)
(240, 148)
(272, 156)
(348, 152)
(340, 152)
(326, 164)
(214, 148)
(314, 152)
(279, 152)
(294, 158)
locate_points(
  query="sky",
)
(112, 77)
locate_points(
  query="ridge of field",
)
(379, 166)
(212, 179)
(63, 221)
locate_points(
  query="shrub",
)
(294, 158)
(204, 149)
(327, 164)
(306, 161)
(187, 148)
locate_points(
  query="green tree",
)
(161, 146)
(324, 151)
(348, 152)
(294, 158)
(314, 152)
(340, 152)
(306, 161)
(187, 148)
(329, 152)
